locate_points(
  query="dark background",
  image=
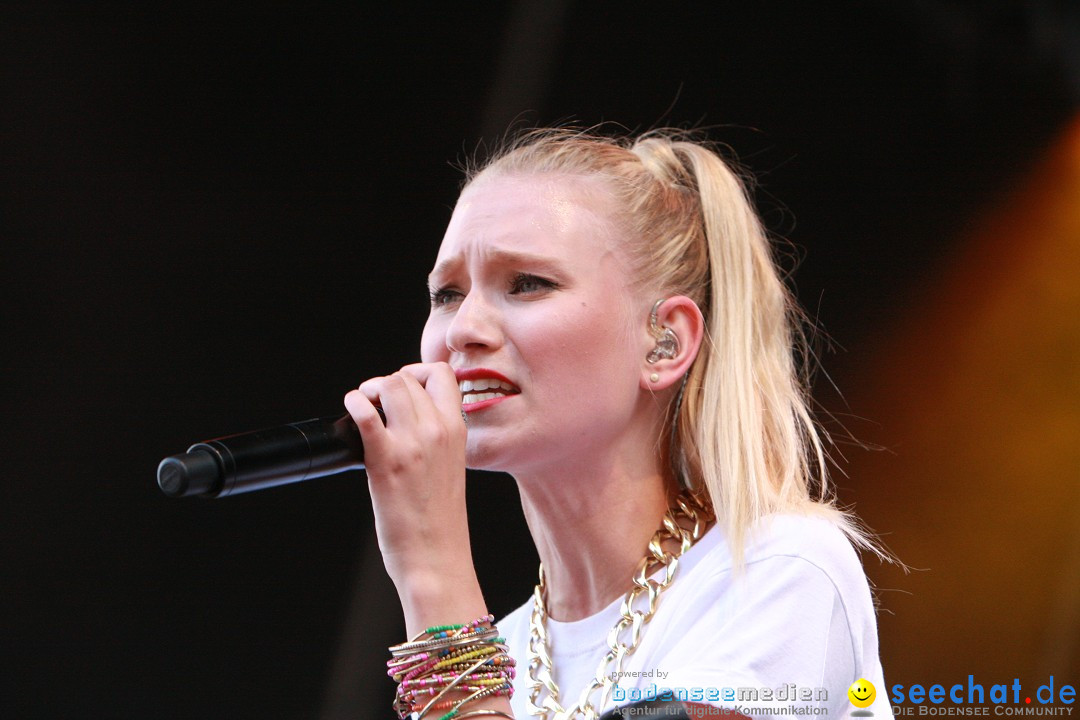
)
(213, 220)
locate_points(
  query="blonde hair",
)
(744, 431)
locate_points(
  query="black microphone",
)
(262, 459)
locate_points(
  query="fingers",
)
(440, 383)
(437, 381)
(414, 394)
(393, 394)
(366, 417)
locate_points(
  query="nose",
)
(475, 325)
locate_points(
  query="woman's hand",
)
(416, 476)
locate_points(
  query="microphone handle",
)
(266, 458)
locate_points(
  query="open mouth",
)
(487, 388)
(482, 387)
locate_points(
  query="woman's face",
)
(533, 306)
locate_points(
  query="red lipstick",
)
(499, 393)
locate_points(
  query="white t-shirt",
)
(799, 620)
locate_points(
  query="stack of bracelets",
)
(470, 660)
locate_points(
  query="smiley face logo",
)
(861, 693)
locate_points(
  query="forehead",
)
(558, 215)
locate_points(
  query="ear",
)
(683, 318)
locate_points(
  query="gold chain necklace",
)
(688, 508)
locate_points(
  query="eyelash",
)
(443, 296)
(521, 278)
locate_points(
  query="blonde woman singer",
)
(608, 326)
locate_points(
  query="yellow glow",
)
(978, 397)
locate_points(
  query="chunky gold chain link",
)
(683, 523)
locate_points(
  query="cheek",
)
(433, 341)
(588, 350)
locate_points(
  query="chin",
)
(482, 456)
(493, 455)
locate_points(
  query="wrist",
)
(453, 667)
(439, 596)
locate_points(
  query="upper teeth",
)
(484, 384)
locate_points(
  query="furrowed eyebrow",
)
(499, 257)
(446, 267)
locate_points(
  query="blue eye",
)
(443, 296)
(524, 284)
